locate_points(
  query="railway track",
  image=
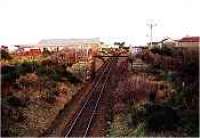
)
(80, 125)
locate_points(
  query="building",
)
(169, 42)
(165, 42)
(134, 50)
(59, 44)
(186, 42)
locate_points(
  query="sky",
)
(29, 21)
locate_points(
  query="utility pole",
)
(151, 25)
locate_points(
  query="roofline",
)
(54, 45)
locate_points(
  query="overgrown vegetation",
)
(184, 79)
(162, 100)
(5, 55)
(165, 51)
(32, 91)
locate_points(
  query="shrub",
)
(5, 55)
(165, 51)
(42, 70)
(51, 96)
(49, 62)
(46, 52)
(62, 88)
(139, 131)
(119, 108)
(191, 123)
(56, 76)
(71, 78)
(8, 73)
(160, 117)
(26, 67)
(30, 79)
(17, 102)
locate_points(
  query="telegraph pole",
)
(151, 25)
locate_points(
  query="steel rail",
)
(83, 107)
(97, 103)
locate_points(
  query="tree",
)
(46, 52)
(120, 44)
(5, 55)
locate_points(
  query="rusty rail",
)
(81, 124)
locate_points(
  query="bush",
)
(190, 68)
(17, 102)
(191, 124)
(165, 51)
(160, 117)
(5, 55)
(139, 131)
(119, 108)
(51, 97)
(71, 78)
(62, 88)
(26, 67)
(46, 52)
(30, 79)
(42, 70)
(56, 76)
(8, 73)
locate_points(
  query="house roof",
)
(168, 38)
(190, 39)
(163, 40)
(60, 43)
(67, 41)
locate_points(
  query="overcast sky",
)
(28, 21)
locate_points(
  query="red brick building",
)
(193, 41)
